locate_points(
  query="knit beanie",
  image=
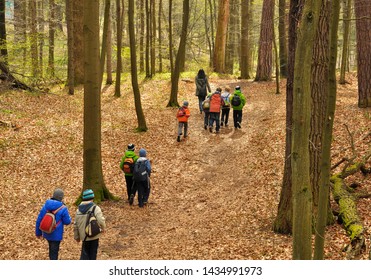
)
(88, 195)
(131, 147)
(58, 194)
(185, 103)
(142, 152)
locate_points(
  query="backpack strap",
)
(90, 212)
(55, 212)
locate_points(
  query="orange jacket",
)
(183, 114)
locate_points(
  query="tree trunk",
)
(173, 101)
(344, 56)
(119, 46)
(107, 16)
(160, 11)
(302, 194)
(363, 23)
(52, 19)
(153, 37)
(324, 180)
(244, 60)
(134, 75)
(319, 93)
(141, 39)
(282, 37)
(78, 42)
(109, 79)
(221, 36)
(283, 221)
(265, 56)
(70, 44)
(40, 32)
(33, 39)
(93, 174)
(231, 49)
(4, 49)
(148, 40)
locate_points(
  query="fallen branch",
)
(348, 213)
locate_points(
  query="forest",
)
(80, 80)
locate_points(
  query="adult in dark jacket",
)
(202, 87)
(144, 185)
(62, 218)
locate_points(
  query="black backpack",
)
(140, 171)
(236, 100)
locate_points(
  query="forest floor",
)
(213, 197)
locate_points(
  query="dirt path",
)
(212, 203)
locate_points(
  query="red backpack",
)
(48, 223)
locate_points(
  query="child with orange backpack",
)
(182, 115)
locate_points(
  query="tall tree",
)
(302, 194)
(160, 11)
(345, 51)
(78, 42)
(142, 126)
(52, 27)
(70, 47)
(33, 39)
(244, 60)
(319, 92)
(109, 79)
(119, 46)
(93, 173)
(175, 74)
(324, 190)
(265, 55)
(171, 36)
(363, 23)
(283, 221)
(232, 33)
(107, 15)
(282, 37)
(153, 37)
(3, 45)
(221, 36)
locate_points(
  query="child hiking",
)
(142, 173)
(62, 218)
(182, 116)
(226, 107)
(238, 101)
(127, 165)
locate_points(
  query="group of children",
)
(216, 108)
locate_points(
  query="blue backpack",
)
(140, 171)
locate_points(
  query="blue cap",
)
(142, 152)
(88, 195)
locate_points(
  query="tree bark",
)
(302, 194)
(173, 101)
(221, 36)
(92, 169)
(363, 23)
(134, 75)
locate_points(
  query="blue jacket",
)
(62, 215)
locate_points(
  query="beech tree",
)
(221, 36)
(92, 158)
(363, 23)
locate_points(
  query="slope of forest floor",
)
(213, 196)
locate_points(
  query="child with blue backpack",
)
(226, 107)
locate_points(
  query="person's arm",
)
(208, 85)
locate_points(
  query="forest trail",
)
(213, 196)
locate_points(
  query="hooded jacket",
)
(81, 217)
(243, 100)
(62, 215)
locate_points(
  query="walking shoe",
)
(178, 138)
(221, 124)
(205, 126)
(131, 199)
(210, 129)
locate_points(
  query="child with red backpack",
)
(182, 116)
(62, 218)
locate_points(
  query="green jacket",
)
(243, 100)
(127, 154)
